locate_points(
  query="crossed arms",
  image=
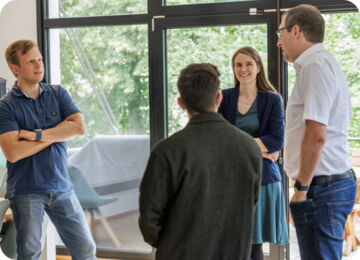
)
(18, 145)
(265, 152)
(271, 143)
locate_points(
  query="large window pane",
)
(208, 44)
(105, 69)
(78, 8)
(184, 2)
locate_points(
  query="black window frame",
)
(177, 16)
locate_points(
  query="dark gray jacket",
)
(199, 190)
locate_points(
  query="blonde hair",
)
(24, 46)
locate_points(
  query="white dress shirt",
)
(320, 94)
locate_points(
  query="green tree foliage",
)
(103, 7)
(183, 2)
(119, 59)
(207, 44)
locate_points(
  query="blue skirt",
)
(270, 223)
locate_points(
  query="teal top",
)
(249, 122)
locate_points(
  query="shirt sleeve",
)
(67, 106)
(7, 119)
(319, 91)
(155, 197)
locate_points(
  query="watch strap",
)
(38, 135)
(300, 187)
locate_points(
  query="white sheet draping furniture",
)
(111, 161)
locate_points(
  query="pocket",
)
(338, 213)
(52, 114)
(302, 212)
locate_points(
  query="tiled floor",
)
(126, 229)
(129, 235)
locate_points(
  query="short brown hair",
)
(24, 46)
(198, 85)
(310, 21)
(262, 83)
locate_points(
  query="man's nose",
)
(38, 64)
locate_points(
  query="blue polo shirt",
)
(45, 171)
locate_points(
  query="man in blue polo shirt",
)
(36, 120)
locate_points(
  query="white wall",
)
(17, 21)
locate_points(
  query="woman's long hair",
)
(262, 83)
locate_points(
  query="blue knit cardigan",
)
(271, 128)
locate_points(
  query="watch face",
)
(38, 135)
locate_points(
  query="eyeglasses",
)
(279, 34)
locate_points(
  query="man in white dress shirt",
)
(317, 122)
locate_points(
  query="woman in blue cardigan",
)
(254, 106)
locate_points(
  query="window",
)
(120, 61)
(106, 71)
(78, 8)
(215, 45)
(183, 2)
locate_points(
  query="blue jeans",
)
(319, 221)
(66, 214)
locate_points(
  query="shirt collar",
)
(307, 53)
(19, 93)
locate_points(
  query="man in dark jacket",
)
(200, 186)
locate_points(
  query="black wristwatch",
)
(38, 135)
(300, 187)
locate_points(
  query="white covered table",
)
(114, 165)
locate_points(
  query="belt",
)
(321, 180)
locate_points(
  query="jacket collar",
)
(206, 117)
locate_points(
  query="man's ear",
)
(181, 103)
(219, 98)
(14, 69)
(297, 31)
